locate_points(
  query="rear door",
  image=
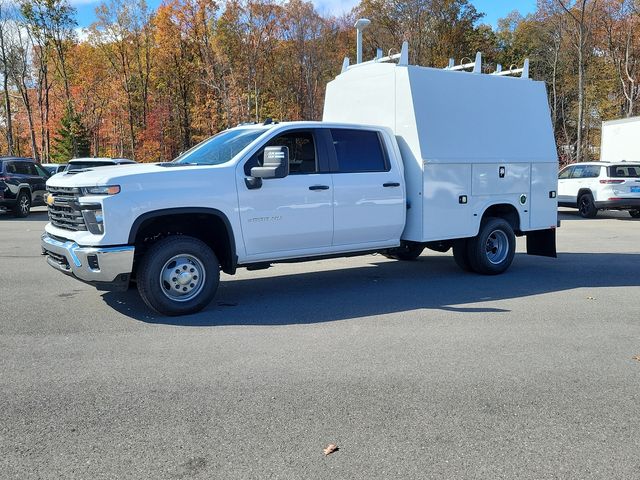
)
(369, 200)
(38, 180)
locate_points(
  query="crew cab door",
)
(283, 216)
(369, 198)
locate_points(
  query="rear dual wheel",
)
(490, 252)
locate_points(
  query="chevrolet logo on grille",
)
(50, 199)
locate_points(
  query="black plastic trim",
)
(185, 211)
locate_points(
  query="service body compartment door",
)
(544, 208)
(500, 178)
(447, 201)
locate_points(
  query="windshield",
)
(625, 171)
(220, 148)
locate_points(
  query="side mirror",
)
(275, 165)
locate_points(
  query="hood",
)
(118, 174)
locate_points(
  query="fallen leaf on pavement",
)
(590, 298)
(330, 449)
(636, 357)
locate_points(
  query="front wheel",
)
(178, 275)
(634, 213)
(492, 250)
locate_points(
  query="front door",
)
(288, 214)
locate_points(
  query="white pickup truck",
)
(406, 158)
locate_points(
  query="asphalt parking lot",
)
(415, 370)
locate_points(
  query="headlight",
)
(104, 190)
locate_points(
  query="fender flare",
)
(135, 226)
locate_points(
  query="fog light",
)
(93, 218)
(93, 262)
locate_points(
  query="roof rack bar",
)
(524, 71)
(476, 64)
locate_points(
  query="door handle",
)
(391, 184)
(319, 187)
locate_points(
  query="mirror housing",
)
(275, 165)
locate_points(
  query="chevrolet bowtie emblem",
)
(50, 199)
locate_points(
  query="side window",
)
(592, 171)
(22, 168)
(10, 167)
(31, 168)
(578, 171)
(41, 172)
(564, 173)
(359, 151)
(302, 153)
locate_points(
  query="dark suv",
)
(22, 185)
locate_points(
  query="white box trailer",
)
(470, 141)
(620, 140)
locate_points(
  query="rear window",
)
(359, 151)
(626, 171)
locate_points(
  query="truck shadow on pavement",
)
(384, 287)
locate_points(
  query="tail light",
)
(607, 182)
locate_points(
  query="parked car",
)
(81, 164)
(54, 168)
(593, 186)
(22, 185)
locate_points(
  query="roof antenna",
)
(360, 25)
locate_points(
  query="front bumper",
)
(620, 204)
(104, 267)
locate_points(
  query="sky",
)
(494, 9)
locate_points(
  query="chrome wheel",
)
(182, 277)
(497, 247)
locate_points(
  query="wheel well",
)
(506, 211)
(581, 192)
(211, 228)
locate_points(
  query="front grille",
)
(65, 212)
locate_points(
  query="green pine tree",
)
(72, 140)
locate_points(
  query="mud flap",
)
(542, 243)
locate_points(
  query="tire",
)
(170, 292)
(406, 252)
(634, 213)
(461, 255)
(23, 205)
(492, 250)
(586, 207)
